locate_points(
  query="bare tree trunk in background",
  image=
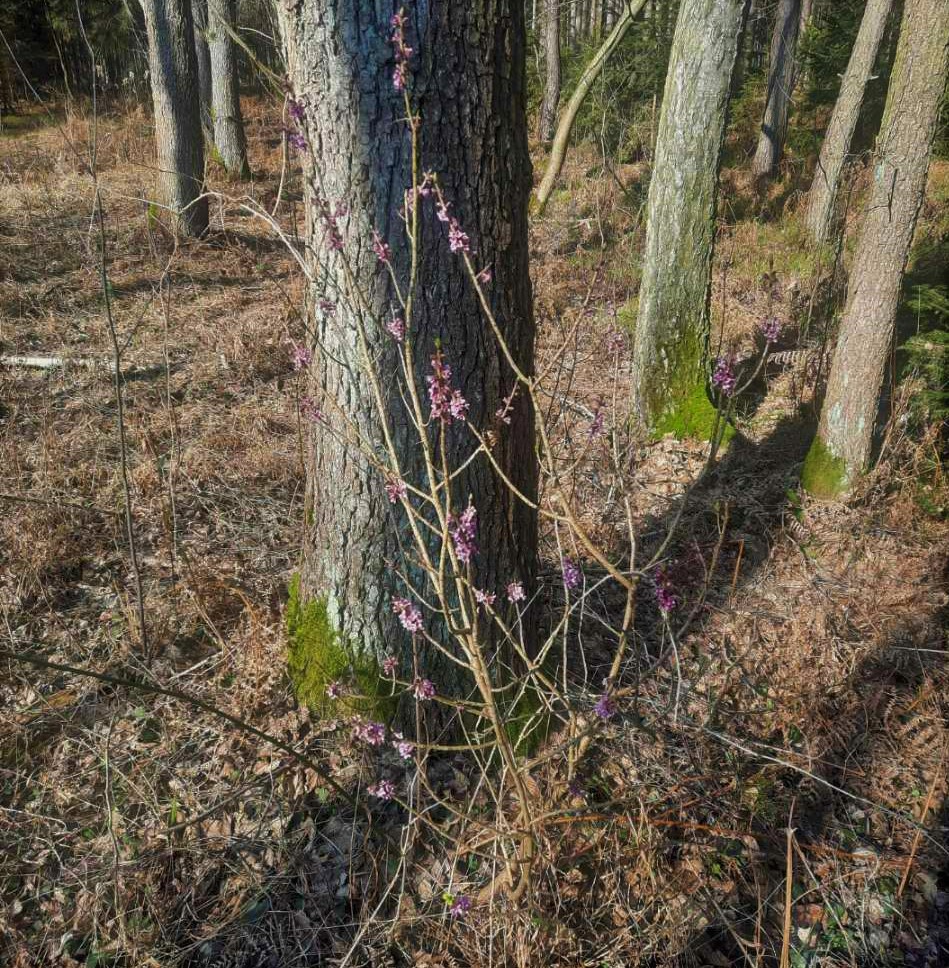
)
(199, 10)
(174, 77)
(842, 449)
(558, 150)
(229, 136)
(822, 197)
(469, 84)
(781, 78)
(669, 369)
(548, 107)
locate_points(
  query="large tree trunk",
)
(199, 12)
(842, 449)
(548, 107)
(558, 150)
(174, 77)
(225, 90)
(822, 197)
(669, 370)
(468, 84)
(781, 77)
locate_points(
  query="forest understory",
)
(776, 793)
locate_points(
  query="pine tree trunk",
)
(822, 197)
(225, 89)
(669, 372)
(174, 78)
(548, 108)
(199, 11)
(469, 85)
(781, 77)
(842, 449)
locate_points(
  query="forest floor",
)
(780, 784)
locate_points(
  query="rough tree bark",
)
(781, 77)
(174, 79)
(669, 370)
(822, 197)
(468, 83)
(229, 136)
(841, 451)
(548, 107)
(199, 13)
(558, 150)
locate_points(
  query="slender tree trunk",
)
(469, 85)
(548, 108)
(174, 78)
(842, 448)
(822, 197)
(669, 370)
(781, 77)
(225, 88)
(199, 10)
(558, 150)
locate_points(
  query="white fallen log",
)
(56, 362)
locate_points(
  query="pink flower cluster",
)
(403, 747)
(395, 490)
(369, 732)
(381, 248)
(409, 615)
(390, 665)
(515, 592)
(596, 424)
(447, 404)
(770, 329)
(310, 410)
(396, 328)
(503, 413)
(572, 576)
(724, 379)
(458, 240)
(460, 906)
(383, 790)
(484, 598)
(301, 357)
(464, 532)
(331, 217)
(665, 592)
(403, 52)
(605, 706)
(423, 689)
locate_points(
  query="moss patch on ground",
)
(318, 656)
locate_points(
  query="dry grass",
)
(810, 683)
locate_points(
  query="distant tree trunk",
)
(199, 10)
(669, 368)
(842, 449)
(548, 108)
(558, 150)
(174, 77)
(469, 84)
(822, 197)
(225, 90)
(781, 77)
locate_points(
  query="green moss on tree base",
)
(823, 474)
(692, 415)
(317, 657)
